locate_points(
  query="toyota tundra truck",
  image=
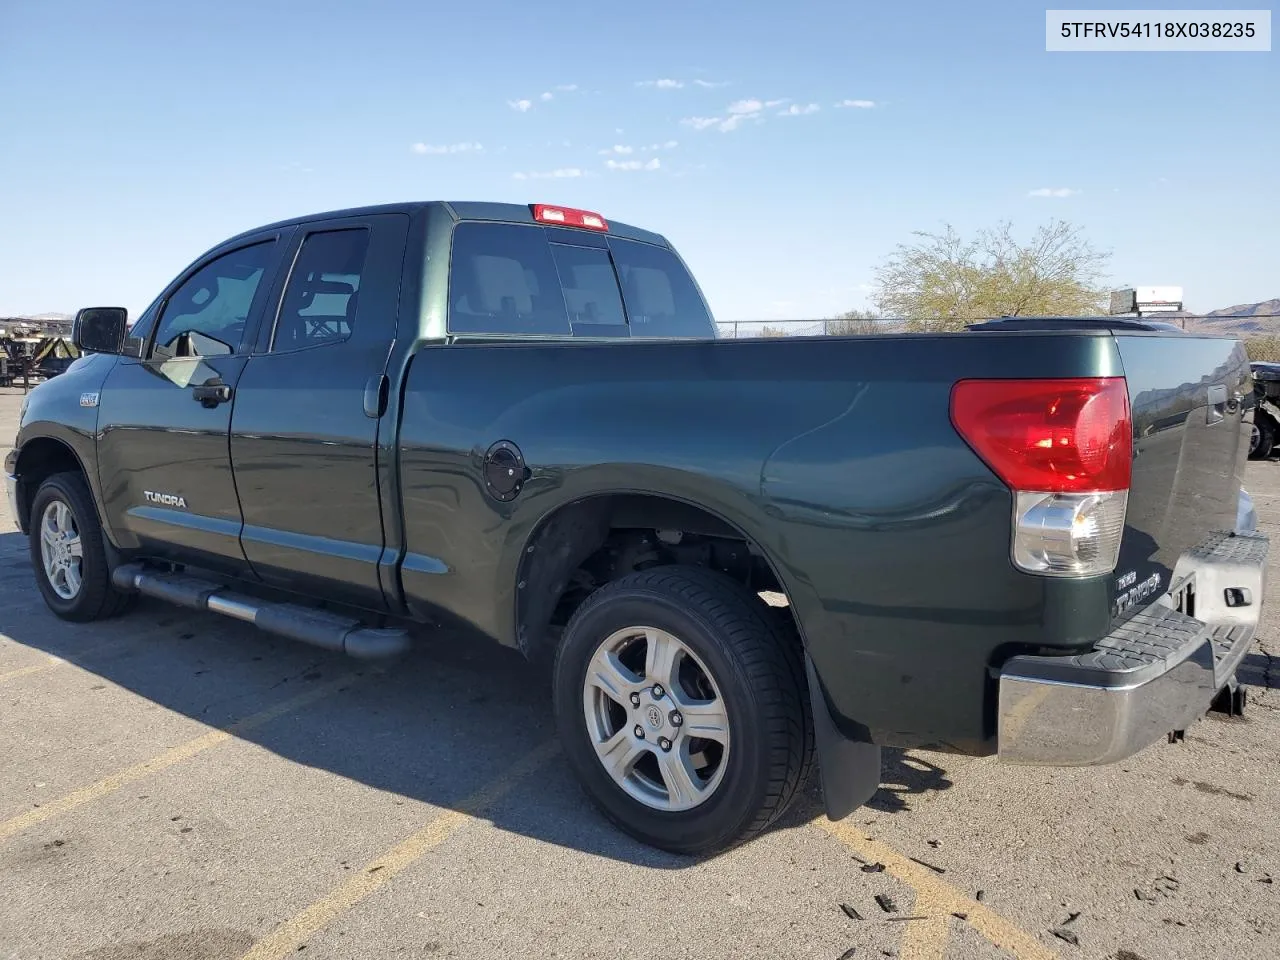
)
(736, 558)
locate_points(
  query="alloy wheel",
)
(656, 718)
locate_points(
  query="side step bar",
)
(316, 627)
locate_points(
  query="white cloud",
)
(618, 149)
(711, 84)
(652, 164)
(561, 173)
(668, 145)
(795, 110)
(859, 104)
(732, 123)
(739, 112)
(1053, 192)
(437, 150)
(545, 96)
(664, 84)
(567, 87)
(521, 105)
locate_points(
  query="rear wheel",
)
(682, 709)
(68, 552)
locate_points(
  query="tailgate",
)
(1190, 449)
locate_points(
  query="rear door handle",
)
(375, 396)
(211, 394)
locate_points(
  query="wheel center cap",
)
(653, 716)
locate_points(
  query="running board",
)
(305, 624)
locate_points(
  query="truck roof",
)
(457, 210)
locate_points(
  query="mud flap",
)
(850, 769)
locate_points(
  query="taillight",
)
(569, 217)
(1065, 448)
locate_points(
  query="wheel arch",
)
(571, 532)
(40, 457)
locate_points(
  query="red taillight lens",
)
(569, 217)
(1056, 436)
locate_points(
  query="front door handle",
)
(211, 394)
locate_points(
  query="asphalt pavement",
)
(178, 786)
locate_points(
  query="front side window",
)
(319, 304)
(207, 315)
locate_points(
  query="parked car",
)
(1266, 415)
(519, 421)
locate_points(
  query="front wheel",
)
(683, 709)
(68, 552)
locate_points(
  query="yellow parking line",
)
(926, 939)
(287, 938)
(53, 661)
(182, 751)
(940, 898)
(34, 668)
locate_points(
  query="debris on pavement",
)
(1066, 935)
(850, 912)
(929, 865)
(847, 954)
(873, 868)
(886, 903)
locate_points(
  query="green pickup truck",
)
(736, 558)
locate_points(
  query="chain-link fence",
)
(1246, 326)
(740, 329)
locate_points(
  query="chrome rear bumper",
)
(1155, 673)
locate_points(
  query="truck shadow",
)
(436, 726)
(1259, 670)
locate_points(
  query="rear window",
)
(512, 279)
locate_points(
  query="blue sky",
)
(137, 134)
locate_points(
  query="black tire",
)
(97, 598)
(760, 675)
(1264, 437)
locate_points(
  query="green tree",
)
(943, 281)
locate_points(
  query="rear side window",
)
(319, 304)
(511, 279)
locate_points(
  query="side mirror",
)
(100, 329)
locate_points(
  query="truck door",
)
(165, 413)
(309, 413)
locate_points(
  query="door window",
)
(320, 301)
(207, 315)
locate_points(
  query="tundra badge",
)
(167, 499)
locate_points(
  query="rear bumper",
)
(1157, 672)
